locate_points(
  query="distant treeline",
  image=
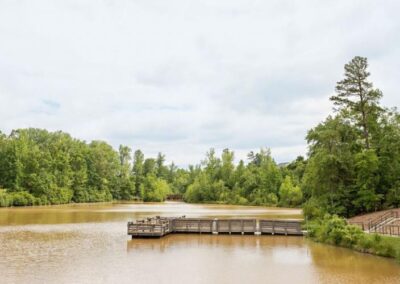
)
(353, 165)
(38, 167)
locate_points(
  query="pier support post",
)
(214, 227)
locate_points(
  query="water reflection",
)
(341, 263)
(105, 212)
(173, 241)
(308, 262)
(226, 258)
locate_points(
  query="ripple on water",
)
(88, 244)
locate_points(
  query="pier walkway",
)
(161, 226)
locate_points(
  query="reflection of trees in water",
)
(54, 215)
(335, 262)
(104, 212)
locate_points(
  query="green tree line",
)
(38, 167)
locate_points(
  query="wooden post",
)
(198, 226)
(216, 226)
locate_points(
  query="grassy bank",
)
(334, 230)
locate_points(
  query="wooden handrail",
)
(373, 224)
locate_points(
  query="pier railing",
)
(158, 227)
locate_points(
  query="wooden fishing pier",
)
(161, 226)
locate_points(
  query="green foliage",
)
(22, 198)
(289, 194)
(155, 189)
(138, 171)
(196, 191)
(38, 167)
(355, 97)
(313, 209)
(354, 157)
(5, 199)
(334, 230)
(295, 170)
(366, 165)
(257, 183)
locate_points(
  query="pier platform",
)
(161, 226)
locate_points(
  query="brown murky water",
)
(88, 244)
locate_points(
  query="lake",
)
(87, 243)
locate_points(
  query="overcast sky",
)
(183, 76)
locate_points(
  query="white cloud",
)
(183, 76)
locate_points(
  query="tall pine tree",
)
(355, 96)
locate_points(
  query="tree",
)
(355, 96)
(149, 167)
(354, 157)
(124, 155)
(161, 169)
(155, 189)
(296, 169)
(137, 170)
(367, 164)
(125, 184)
(227, 167)
(200, 190)
(329, 174)
(289, 194)
(212, 165)
(103, 168)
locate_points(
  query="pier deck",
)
(161, 226)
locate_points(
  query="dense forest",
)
(353, 165)
(40, 167)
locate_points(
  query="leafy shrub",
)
(156, 189)
(59, 195)
(312, 209)
(289, 194)
(22, 198)
(5, 199)
(241, 200)
(334, 230)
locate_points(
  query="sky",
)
(181, 77)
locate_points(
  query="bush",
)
(241, 200)
(5, 199)
(271, 199)
(289, 194)
(155, 189)
(312, 209)
(59, 195)
(22, 198)
(335, 231)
